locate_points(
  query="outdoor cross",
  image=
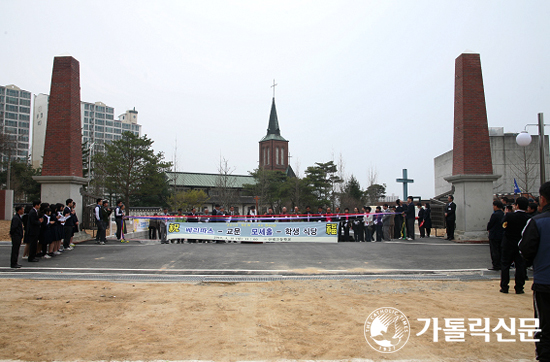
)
(256, 198)
(273, 86)
(405, 181)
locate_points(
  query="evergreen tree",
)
(130, 168)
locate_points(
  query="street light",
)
(524, 139)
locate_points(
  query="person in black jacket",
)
(494, 226)
(409, 218)
(34, 224)
(450, 217)
(513, 224)
(427, 219)
(535, 249)
(16, 233)
(399, 209)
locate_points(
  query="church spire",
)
(273, 130)
(273, 127)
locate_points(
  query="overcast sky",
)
(371, 82)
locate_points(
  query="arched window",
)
(267, 148)
(277, 155)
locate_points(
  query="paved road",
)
(420, 257)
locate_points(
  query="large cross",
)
(273, 86)
(405, 181)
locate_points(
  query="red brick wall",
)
(272, 145)
(63, 148)
(471, 145)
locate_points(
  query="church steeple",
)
(273, 130)
(273, 147)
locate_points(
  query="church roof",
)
(273, 130)
(206, 180)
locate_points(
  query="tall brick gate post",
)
(61, 177)
(472, 164)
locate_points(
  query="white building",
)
(15, 113)
(99, 125)
(510, 161)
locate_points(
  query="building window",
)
(24, 117)
(282, 157)
(11, 100)
(12, 92)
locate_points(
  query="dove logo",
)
(387, 330)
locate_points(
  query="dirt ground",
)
(5, 230)
(315, 320)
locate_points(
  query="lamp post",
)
(524, 139)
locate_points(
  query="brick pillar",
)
(63, 153)
(472, 177)
(471, 145)
(61, 177)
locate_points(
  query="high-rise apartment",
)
(15, 114)
(99, 126)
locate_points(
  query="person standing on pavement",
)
(410, 217)
(421, 213)
(118, 220)
(496, 232)
(513, 224)
(535, 249)
(386, 222)
(101, 228)
(34, 225)
(163, 222)
(427, 219)
(16, 233)
(105, 216)
(398, 220)
(450, 217)
(68, 226)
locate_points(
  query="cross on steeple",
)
(273, 86)
(405, 181)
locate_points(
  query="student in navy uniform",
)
(535, 249)
(513, 224)
(450, 217)
(16, 233)
(68, 227)
(496, 232)
(33, 229)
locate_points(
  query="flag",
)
(516, 187)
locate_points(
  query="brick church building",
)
(274, 153)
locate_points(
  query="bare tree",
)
(524, 169)
(225, 184)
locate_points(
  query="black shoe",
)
(16, 266)
(505, 291)
(493, 268)
(33, 260)
(520, 291)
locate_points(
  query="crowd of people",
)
(46, 230)
(505, 229)
(384, 224)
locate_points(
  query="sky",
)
(368, 84)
